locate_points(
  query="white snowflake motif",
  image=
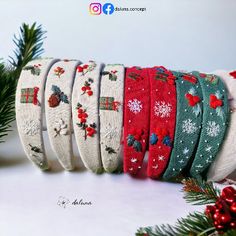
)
(208, 148)
(212, 129)
(162, 109)
(135, 106)
(185, 151)
(31, 127)
(161, 158)
(134, 160)
(189, 126)
(110, 132)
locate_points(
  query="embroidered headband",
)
(188, 123)
(58, 110)
(111, 115)
(225, 161)
(85, 114)
(162, 119)
(215, 118)
(136, 118)
(29, 106)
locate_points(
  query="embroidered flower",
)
(189, 127)
(60, 128)
(31, 127)
(58, 71)
(135, 106)
(213, 129)
(162, 109)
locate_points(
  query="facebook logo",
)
(108, 8)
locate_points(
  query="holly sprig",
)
(28, 46)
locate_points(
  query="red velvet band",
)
(162, 119)
(136, 118)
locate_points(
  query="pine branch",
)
(195, 224)
(29, 45)
(200, 192)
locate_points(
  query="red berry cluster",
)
(82, 115)
(192, 99)
(223, 212)
(59, 71)
(87, 87)
(91, 131)
(82, 68)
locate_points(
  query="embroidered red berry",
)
(192, 99)
(88, 88)
(80, 110)
(215, 102)
(90, 93)
(83, 120)
(80, 115)
(84, 115)
(85, 66)
(83, 88)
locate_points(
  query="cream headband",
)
(85, 114)
(111, 115)
(29, 105)
(58, 110)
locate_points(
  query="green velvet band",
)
(214, 125)
(188, 123)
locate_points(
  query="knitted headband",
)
(215, 118)
(188, 123)
(29, 105)
(85, 114)
(58, 110)
(162, 119)
(225, 161)
(111, 115)
(136, 118)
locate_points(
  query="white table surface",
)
(120, 203)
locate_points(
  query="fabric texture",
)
(58, 110)
(86, 114)
(136, 118)
(162, 119)
(111, 116)
(29, 109)
(214, 125)
(225, 161)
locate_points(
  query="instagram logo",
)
(95, 8)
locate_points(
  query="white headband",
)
(85, 114)
(111, 115)
(58, 110)
(225, 162)
(29, 106)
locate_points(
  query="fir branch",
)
(28, 45)
(200, 192)
(195, 224)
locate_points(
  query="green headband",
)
(215, 118)
(188, 123)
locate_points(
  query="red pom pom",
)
(83, 88)
(90, 93)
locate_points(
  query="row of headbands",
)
(180, 117)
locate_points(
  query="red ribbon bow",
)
(192, 99)
(215, 102)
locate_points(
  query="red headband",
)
(136, 118)
(162, 119)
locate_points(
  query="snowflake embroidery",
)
(185, 151)
(31, 127)
(189, 126)
(135, 106)
(212, 129)
(161, 158)
(208, 148)
(162, 109)
(110, 132)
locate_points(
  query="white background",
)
(183, 34)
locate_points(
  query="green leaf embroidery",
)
(137, 146)
(130, 140)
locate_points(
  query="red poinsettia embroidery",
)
(233, 74)
(89, 130)
(192, 100)
(87, 87)
(59, 71)
(215, 102)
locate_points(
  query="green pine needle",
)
(195, 224)
(199, 192)
(28, 47)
